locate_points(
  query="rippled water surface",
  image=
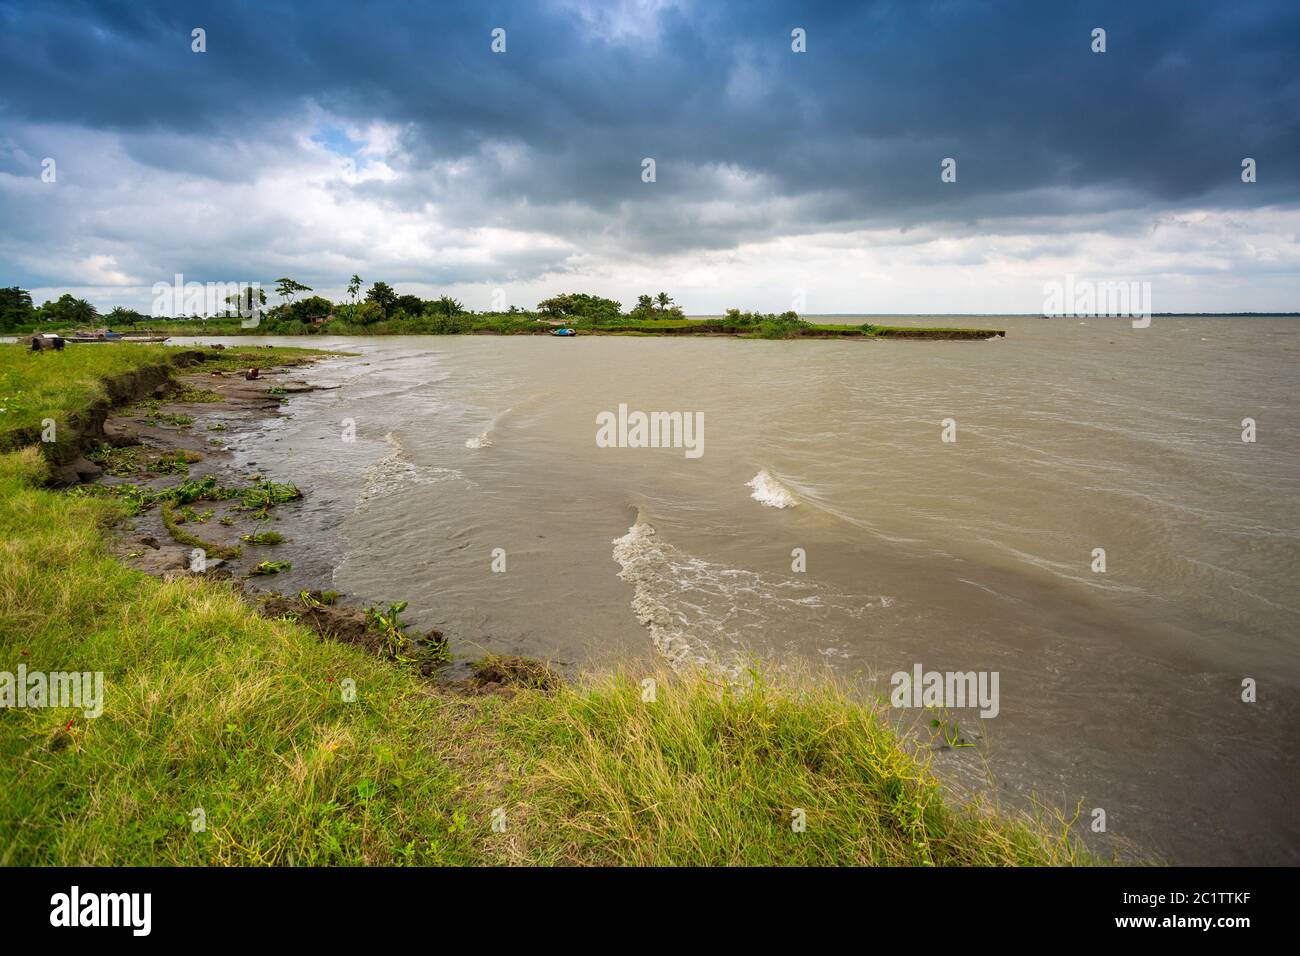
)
(1119, 690)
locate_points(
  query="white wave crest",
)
(709, 615)
(395, 471)
(645, 563)
(770, 492)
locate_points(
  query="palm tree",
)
(354, 287)
(83, 313)
(663, 300)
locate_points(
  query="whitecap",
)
(769, 491)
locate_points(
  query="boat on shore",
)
(108, 335)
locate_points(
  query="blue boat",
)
(564, 332)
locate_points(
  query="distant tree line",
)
(381, 310)
(17, 314)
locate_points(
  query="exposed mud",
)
(505, 676)
(160, 430)
(178, 432)
(347, 624)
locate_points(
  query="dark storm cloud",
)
(850, 133)
(1011, 88)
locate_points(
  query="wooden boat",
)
(105, 335)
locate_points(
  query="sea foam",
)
(770, 492)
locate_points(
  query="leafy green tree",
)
(69, 310)
(787, 325)
(382, 294)
(242, 303)
(287, 288)
(580, 305)
(440, 323)
(368, 313)
(15, 308)
(120, 315)
(412, 305)
(311, 308)
(446, 305)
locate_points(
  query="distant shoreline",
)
(703, 328)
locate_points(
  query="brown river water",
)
(1118, 690)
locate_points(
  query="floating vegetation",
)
(133, 460)
(262, 537)
(434, 650)
(393, 629)
(271, 567)
(318, 598)
(189, 514)
(173, 463)
(947, 731)
(264, 495)
(197, 396)
(259, 498)
(172, 521)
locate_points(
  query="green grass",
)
(209, 706)
(206, 706)
(721, 326)
(36, 386)
(710, 775)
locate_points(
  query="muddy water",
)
(1119, 690)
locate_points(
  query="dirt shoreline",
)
(151, 438)
(164, 429)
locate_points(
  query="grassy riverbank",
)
(209, 706)
(36, 387)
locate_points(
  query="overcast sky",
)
(320, 139)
